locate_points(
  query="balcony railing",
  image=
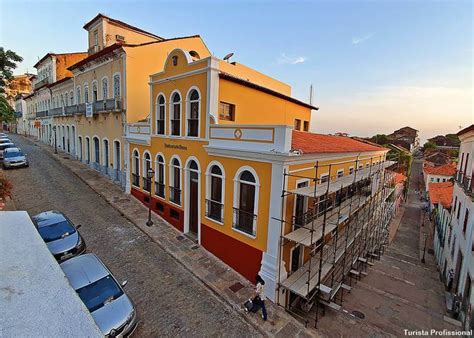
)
(146, 184)
(175, 195)
(136, 180)
(159, 189)
(465, 182)
(215, 210)
(56, 111)
(244, 221)
(43, 113)
(107, 105)
(41, 83)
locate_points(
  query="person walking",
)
(260, 290)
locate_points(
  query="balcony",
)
(146, 184)
(175, 195)
(465, 182)
(93, 49)
(56, 111)
(43, 113)
(136, 180)
(41, 83)
(244, 221)
(109, 105)
(160, 189)
(215, 210)
(18, 114)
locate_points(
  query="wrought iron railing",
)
(146, 184)
(160, 189)
(245, 221)
(107, 105)
(175, 195)
(43, 113)
(56, 111)
(465, 182)
(215, 210)
(136, 180)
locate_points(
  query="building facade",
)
(221, 140)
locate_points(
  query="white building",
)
(443, 173)
(459, 247)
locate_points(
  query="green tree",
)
(8, 63)
(454, 139)
(7, 114)
(380, 139)
(429, 145)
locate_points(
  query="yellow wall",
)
(146, 60)
(66, 60)
(241, 71)
(253, 106)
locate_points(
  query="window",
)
(86, 94)
(175, 188)
(193, 114)
(340, 173)
(80, 148)
(324, 178)
(214, 205)
(459, 210)
(136, 169)
(432, 179)
(88, 150)
(96, 38)
(160, 115)
(466, 218)
(175, 60)
(117, 86)
(245, 216)
(437, 180)
(71, 97)
(160, 176)
(94, 92)
(226, 111)
(146, 167)
(351, 170)
(176, 118)
(297, 124)
(105, 88)
(306, 125)
(105, 153)
(96, 151)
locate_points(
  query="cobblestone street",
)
(170, 301)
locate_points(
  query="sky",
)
(375, 66)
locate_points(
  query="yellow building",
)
(222, 143)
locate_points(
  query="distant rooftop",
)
(441, 193)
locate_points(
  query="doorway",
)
(457, 272)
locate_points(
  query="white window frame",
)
(188, 111)
(107, 87)
(171, 113)
(157, 108)
(172, 178)
(157, 164)
(209, 176)
(135, 170)
(236, 201)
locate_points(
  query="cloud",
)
(284, 59)
(359, 39)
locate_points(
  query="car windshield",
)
(99, 293)
(9, 154)
(56, 231)
(5, 146)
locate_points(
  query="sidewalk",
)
(216, 275)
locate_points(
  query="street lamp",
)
(149, 175)
(55, 140)
(424, 249)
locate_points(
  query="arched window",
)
(176, 115)
(86, 94)
(117, 86)
(146, 167)
(80, 148)
(160, 176)
(136, 169)
(105, 88)
(105, 152)
(88, 150)
(175, 181)
(94, 92)
(71, 97)
(96, 152)
(160, 115)
(215, 186)
(193, 113)
(245, 202)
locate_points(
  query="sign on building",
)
(89, 110)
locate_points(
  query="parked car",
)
(4, 146)
(108, 304)
(3, 135)
(5, 140)
(60, 234)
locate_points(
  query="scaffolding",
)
(342, 230)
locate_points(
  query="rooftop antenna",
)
(311, 94)
(228, 56)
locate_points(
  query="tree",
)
(380, 139)
(7, 114)
(8, 63)
(429, 145)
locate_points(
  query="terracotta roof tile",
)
(441, 193)
(312, 143)
(400, 178)
(443, 170)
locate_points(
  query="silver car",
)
(110, 307)
(60, 234)
(4, 146)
